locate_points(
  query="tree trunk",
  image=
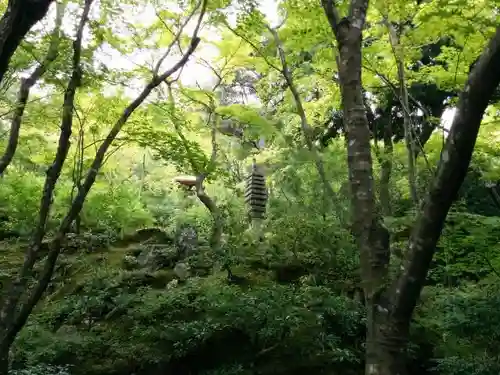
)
(4, 361)
(24, 92)
(390, 305)
(386, 169)
(371, 236)
(11, 320)
(397, 50)
(451, 171)
(18, 19)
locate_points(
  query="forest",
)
(249, 187)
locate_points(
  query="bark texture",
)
(452, 169)
(18, 19)
(390, 304)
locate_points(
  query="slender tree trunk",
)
(77, 174)
(304, 124)
(385, 158)
(386, 168)
(18, 19)
(397, 50)
(10, 321)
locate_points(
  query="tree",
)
(390, 304)
(24, 91)
(18, 19)
(24, 293)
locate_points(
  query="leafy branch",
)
(24, 91)
(10, 322)
(307, 131)
(177, 38)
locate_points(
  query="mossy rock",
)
(146, 235)
(158, 257)
(130, 262)
(87, 242)
(140, 278)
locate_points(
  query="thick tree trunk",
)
(451, 171)
(371, 236)
(17, 20)
(391, 320)
(4, 361)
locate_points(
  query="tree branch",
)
(252, 44)
(332, 14)
(397, 51)
(24, 91)
(306, 129)
(455, 158)
(176, 39)
(14, 324)
(18, 19)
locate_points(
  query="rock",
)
(146, 235)
(142, 278)
(158, 257)
(186, 241)
(130, 262)
(181, 270)
(88, 242)
(172, 284)
(135, 251)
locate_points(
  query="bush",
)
(107, 208)
(204, 325)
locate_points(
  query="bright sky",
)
(194, 73)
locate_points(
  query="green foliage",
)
(291, 312)
(43, 370)
(20, 195)
(468, 249)
(249, 118)
(113, 209)
(464, 323)
(199, 321)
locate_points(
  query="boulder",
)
(186, 241)
(181, 270)
(130, 262)
(146, 235)
(158, 257)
